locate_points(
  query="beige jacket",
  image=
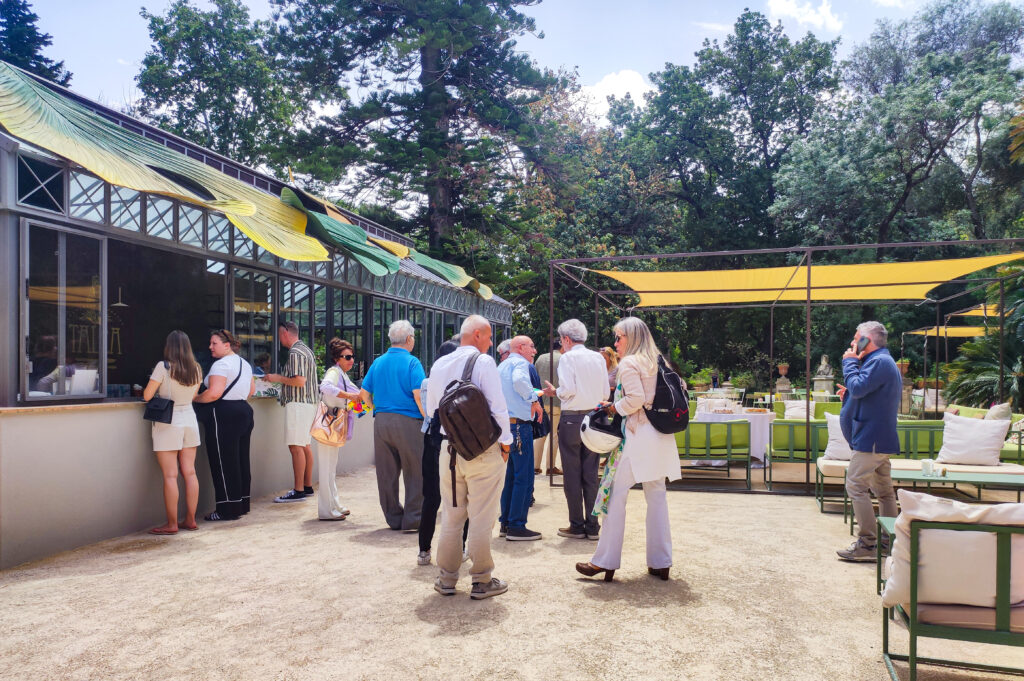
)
(637, 392)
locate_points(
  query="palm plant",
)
(974, 374)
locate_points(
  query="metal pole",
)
(807, 374)
(771, 356)
(938, 323)
(551, 368)
(597, 337)
(1002, 316)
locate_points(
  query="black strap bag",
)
(159, 409)
(466, 418)
(204, 410)
(670, 410)
(542, 427)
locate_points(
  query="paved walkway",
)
(756, 593)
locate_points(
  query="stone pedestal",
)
(824, 384)
(783, 386)
(908, 387)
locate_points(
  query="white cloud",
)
(711, 26)
(595, 97)
(123, 62)
(891, 3)
(820, 17)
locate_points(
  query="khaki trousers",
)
(869, 472)
(328, 504)
(478, 486)
(540, 454)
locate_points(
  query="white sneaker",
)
(423, 558)
(481, 590)
(442, 589)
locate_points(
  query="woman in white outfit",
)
(336, 390)
(646, 456)
(177, 378)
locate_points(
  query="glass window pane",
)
(160, 217)
(243, 246)
(297, 306)
(190, 226)
(87, 200)
(82, 314)
(43, 310)
(151, 293)
(219, 234)
(125, 208)
(40, 184)
(253, 314)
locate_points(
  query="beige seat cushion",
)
(832, 468)
(954, 567)
(968, 617)
(1001, 469)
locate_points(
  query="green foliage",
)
(21, 43)
(210, 76)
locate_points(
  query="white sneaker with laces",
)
(442, 589)
(482, 590)
(423, 558)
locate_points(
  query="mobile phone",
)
(862, 343)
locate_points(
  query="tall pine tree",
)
(21, 43)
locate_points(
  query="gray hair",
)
(574, 330)
(505, 346)
(399, 332)
(875, 331)
(472, 323)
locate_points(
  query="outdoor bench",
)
(716, 441)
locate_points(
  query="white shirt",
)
(228, 368)
(582, 379)
(485, 376)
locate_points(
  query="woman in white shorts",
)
(177, 378)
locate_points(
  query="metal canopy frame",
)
(806, 262)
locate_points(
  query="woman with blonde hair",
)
(177, 378)
(646, 456)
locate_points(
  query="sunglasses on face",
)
(619, 336)
(347, 356)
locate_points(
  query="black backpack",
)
(466, 417)
(670, 409)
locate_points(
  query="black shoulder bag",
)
(159, 409)
(204, 410)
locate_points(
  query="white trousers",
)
(328, 505)
(478, 486)
(659, 536)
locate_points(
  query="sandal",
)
(160, 530)
(191, 528)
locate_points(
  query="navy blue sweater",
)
(873, 390)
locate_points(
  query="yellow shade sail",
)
(869, 281)
(951, 331)
(980, 311)
(32, 112)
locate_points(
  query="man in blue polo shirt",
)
(392, 389)
(523, 406)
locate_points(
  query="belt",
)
(514, 421)
(576, 412)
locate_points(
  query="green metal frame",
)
(707, 453)
(794, 454)
(1001, 635)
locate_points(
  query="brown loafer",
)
(591, 570)
(659, 572)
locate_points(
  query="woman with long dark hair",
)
(177, 378)
(228, 422)
(336, 390)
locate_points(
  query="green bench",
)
(820, 408)
(789, 443)
(708, 441)
(1001, 625)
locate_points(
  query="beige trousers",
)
(540, 455)
(478, 486)
(328, 504)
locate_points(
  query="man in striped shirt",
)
(300, 392)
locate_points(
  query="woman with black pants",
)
(228, 421)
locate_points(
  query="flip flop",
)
(158, 530)
(190, 529)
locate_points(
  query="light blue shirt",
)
(516, 386)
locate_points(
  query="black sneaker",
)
(503, 530)
(521, 534)
(308, 491)
(292, 495)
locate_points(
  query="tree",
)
(210, 77)
(21, 43)
(444, 88)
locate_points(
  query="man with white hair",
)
(477, 482)
(392, 389)
(871, 401)
(523, 408)
(582, 386)
(504, 349)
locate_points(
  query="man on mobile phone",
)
(871, 400)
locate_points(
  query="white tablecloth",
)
(760, 425)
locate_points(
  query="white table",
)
(760, 425)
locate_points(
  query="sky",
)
(614, 44)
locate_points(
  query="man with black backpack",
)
(476, 454)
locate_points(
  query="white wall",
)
(75, 475)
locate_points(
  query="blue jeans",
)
(515, 497)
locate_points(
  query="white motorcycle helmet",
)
(601, 433)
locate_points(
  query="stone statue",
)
(824, 369)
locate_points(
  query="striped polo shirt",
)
(301, 362)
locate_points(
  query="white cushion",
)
(998, 412)
(712, 403)
(832, 468)
(838, 448)
(797, 409)
(953, 567)
(972, 441)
